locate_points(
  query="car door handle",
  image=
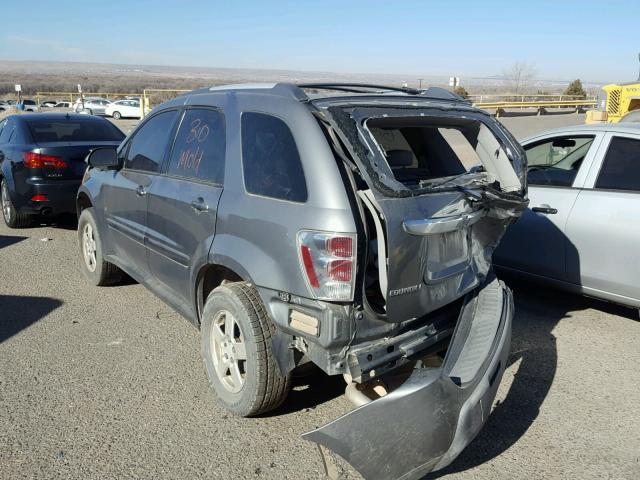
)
(140, 191)
(544, 208)
(199, 205)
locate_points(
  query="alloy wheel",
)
(229, 351)
(89, 247)
(6, 203)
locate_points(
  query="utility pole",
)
(420, 80)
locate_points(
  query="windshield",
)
(74, 131)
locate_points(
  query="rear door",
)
(183, 204)
(603, 226)
(125, 194)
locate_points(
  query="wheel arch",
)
(82, 202)
(211, 276)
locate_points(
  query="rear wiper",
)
(425, 184)
(470, 194)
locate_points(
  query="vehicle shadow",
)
(20, 312)
(8, 240)
(310, 387)
(64, 222)
(538, 311)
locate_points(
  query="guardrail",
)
(539, 105)
(154, 96)
(530, 97)
(63, 96)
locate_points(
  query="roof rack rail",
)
(358, 87)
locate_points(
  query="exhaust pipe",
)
(46, 211)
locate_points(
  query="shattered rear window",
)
(422, 151)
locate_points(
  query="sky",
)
(595, 41)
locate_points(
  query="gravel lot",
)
(101, 383)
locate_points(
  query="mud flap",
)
(425, 423)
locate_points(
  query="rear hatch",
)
(439, 187)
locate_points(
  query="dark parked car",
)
(340, 228)
(42, 161)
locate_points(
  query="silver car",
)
(92, 105)
(580, 231)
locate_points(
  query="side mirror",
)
(103, 158)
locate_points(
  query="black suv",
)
(347, 225)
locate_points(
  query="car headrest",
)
(399, 158)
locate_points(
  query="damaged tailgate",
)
(433, 224)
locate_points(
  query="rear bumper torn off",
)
(424, 424)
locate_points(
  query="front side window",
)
(556, 161)
(270, 159)
(199, 148)
(621, 165)
(148, 145)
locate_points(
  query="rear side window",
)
(148, 145)
(200, 146)
(74, 131)
(270, 159)
(621, 166)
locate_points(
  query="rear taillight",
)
(38, 160)
(328, 261)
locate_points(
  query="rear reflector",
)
(39, 198)
(308, 266)
(38, 160)
(329, 263)
(303, 322)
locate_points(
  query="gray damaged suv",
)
(347, 225)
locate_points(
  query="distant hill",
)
(105, 77)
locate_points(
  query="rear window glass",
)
(270, 159)
(434, 152)
(199, 148)
(74, 131)
(419, 153)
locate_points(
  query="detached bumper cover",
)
(424, 424)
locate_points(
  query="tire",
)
(12, 217)
(257, 387)
(95, 268)
(117, 115)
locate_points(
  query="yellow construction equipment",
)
(621, 99)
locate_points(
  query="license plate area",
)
(445, 255)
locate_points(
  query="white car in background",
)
(92, 105)
(124, 108)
